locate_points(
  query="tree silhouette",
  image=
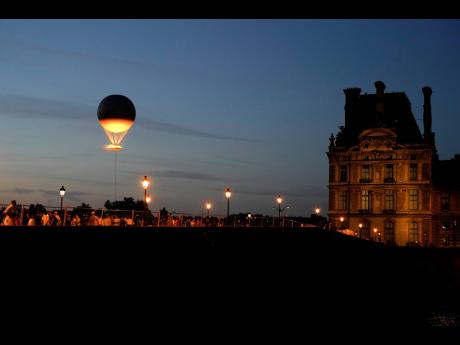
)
(125, 204)
(82, 209)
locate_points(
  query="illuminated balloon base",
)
(113, 147)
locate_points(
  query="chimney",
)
(380, 88)
(351, 101)
(427, 114)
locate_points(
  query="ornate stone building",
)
(386, 182)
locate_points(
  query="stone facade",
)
(383, 174)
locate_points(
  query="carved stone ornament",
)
(378, 139)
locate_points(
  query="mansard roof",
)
(366, 112)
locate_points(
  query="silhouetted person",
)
(93, 220)
(10, 214)
(55, 219)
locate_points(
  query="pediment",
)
(382, 139)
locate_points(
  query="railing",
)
(364, 211)
(388, 211)
(107, 217)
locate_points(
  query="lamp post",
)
(62, 193)
(279, 200)
(249, 219)
(148, 199)
(228, 194)
(208, 207)
(318, 221)
(375, 234)
(360, 229)
(341, 222)
(145, 185)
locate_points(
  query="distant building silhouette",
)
(386, 181)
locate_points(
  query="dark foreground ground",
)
(241, 285)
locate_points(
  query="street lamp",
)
(249, 219)
(360, 229)
(375, 234)
(317, 211)
(62, 193)
(228, 194)
(208, 207)
(145, 185)
(279, 200)
(148, 199)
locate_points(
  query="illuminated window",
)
(413, 172)
(389, 232)
(413, 233)
(413, 199)
(389, 171)
(343, 200)
(365, 204)
(389, 200)
(365, 174)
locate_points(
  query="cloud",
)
(22, 191)
(190, 175)
(42, 108)
(28, 51)
(304, 192)
(73, 195)
(155, 125)
(18, 191)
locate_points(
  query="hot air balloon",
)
(116, 114)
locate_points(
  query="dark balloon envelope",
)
(116, 113)
(116, 107)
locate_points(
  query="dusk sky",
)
(245, 104)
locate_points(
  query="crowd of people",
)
(12, 215)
